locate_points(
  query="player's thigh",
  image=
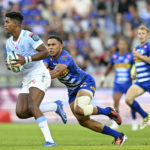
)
(133, 92)
(84, 92)
(35, 96)
(117, 96)
(22, 102)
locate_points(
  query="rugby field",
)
(68, 137)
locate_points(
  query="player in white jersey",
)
(142, 63)
(36, 79)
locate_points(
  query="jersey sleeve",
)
(34, 40)
(46, 60)
(132, 59)
(148, 50)
(66, 60)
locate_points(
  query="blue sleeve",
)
(148, 50)
(46, 60)
(66, 60)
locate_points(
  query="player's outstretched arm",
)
(58, 71)
(107, 71)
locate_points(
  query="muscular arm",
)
(42, 53)
(58, 70)
(108, 69)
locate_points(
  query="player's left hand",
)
(136, 54)
(18, 62)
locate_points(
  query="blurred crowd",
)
(90, 29)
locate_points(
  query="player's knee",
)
(128, 101)
(82, 107)
(20, 113)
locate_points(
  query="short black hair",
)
(15, 15)
(56, 37)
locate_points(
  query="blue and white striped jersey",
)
(122, 65)
(26, 46)
(142, 68)
(73, 76)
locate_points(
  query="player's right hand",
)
(133, 76)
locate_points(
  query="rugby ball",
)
(13, 55)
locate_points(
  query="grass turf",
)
(69, 137)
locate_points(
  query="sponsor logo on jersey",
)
(122, 65)
(64, 73)
(34, 36)
(84, 84)
(93, 88)
(64, 58)
(114, 56)
(128, 56)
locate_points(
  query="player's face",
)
(9, 25)
(122, 45)
(54, 47)
(142, 36)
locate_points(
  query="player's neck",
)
(143, 43)
(16, 34)
(56, 57)
(122, 52)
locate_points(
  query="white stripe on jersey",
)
(122, 79)
(143, 80)
(137, 64)
(141, 69)
(143, 74)
(122, 74)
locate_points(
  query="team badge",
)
(64, 58)
(35, 37)
(114, 56)
(145, 46)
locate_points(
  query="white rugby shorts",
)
(41, 81)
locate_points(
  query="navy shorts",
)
(144, 85)
(87, 84)
(121, 88)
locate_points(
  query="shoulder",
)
(65, 55)
(30, 35)
(114, 55)
(129, 55)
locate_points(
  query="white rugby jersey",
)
(26, 46)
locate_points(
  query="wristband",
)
(103, 78)
(28, 59)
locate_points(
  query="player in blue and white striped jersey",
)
(122, 61)
(142, 63)
(81, 88)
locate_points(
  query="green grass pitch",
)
(69, 137)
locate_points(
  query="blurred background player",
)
(142, 63)
(81, 88)
(36, 79)
(122, 61)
